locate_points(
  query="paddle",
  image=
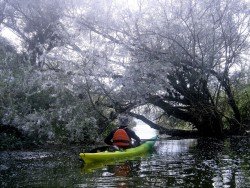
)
(111, 148)
(150, 139)
(99, 149)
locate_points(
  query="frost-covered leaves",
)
(85, 59)
(43, 104)
(174, 51)
(38, 24)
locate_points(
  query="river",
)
(202, 162)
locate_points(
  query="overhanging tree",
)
(179, 56)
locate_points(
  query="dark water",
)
(174, 163)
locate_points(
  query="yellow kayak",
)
(116, 155)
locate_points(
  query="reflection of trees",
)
(201, 163)
(239, 152)
(186, 163)
(210, 146)
(173, 160)
(219, 162)
(174, 147)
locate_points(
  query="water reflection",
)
(174, 163)
(119, 174)
(173, 147)
(123, 172)
(223, 161)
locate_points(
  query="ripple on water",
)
(24, 155)
(175, 163)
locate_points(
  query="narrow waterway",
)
(203, 162)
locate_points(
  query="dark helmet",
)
(123, 121)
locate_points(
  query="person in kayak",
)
(122, 137)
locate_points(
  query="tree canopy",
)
(79, 64)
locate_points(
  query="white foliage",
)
(110, 53)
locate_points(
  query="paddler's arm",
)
(108, 139)
(132, 134)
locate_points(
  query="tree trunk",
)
(235, 123)
(204, 117)
(209, 124)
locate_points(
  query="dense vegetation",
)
(68, 68)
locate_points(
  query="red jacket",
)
(131, 134)
(121, 138)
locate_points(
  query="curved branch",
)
(163, 130)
